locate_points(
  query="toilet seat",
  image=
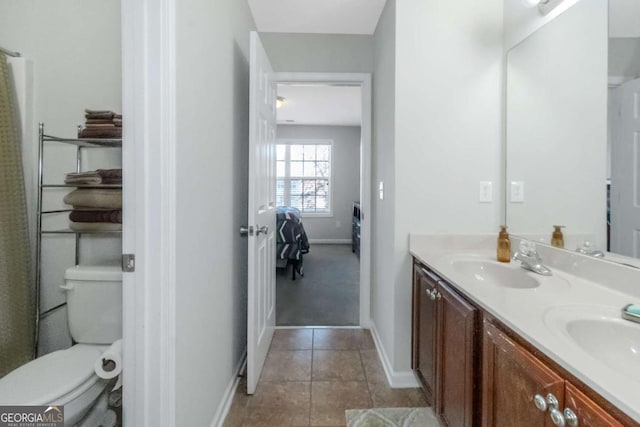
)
(56, 378)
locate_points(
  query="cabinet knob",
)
(438, 295)
(553, 402)
(540, 402)
(557, 418)
(570, 417)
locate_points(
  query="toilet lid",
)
(49, 377)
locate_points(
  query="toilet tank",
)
(94, 303)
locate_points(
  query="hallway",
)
(327, 295)
(311, 376)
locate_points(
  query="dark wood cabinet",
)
(424, 331)
(477, 371)
(512, 378)
(588, 413)
(444, 348)
(457, 356)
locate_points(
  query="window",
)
(304, 175)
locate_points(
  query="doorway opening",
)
(323, 181)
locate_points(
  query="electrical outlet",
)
(381, 190)
(517, 191)
(486, 192)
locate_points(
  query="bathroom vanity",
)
(496, 345)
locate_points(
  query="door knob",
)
(261, 229)
(246, 231)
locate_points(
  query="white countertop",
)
(578, 284)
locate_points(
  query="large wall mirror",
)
(573, 128)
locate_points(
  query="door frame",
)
(149, 225)
(364, 81)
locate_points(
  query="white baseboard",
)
(330, 241)
(227, 400)
(401, 379)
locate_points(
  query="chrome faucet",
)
(588, 249)
(529, 258)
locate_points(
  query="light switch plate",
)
(517, 191)
(486, 192)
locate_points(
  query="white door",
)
(625, 169)
(262, 215)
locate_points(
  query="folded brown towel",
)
(94, 226)
(88, 178)
(100, 125)
(100, 176)
(105, 198)
(99, 122)
(111, 132)
(89, 111)
(110, 176)
(99, 116)
(111, 216)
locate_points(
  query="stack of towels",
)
(100, 176)
(101, 124)
(95, 209)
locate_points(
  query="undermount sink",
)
(600, 332)
(494, 273)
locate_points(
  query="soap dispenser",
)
(504, 245)
(557, 239)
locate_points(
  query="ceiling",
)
(317, 16)
(624, 18)
(324, 105)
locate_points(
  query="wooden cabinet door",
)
(455, 397)
(512, 377)
(424, 331)
(588, 412)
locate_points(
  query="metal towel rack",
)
(9, 52)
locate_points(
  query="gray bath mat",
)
(391, 417)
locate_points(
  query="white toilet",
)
(67, 377)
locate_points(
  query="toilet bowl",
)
(67, 377)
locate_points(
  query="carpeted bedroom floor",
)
(327, 295)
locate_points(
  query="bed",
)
(291, 240)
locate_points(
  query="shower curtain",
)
(17, 296)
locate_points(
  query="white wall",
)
(212, 42)
(383, 169)
(624, 18)
(346, 177)
(557, 124)
(327, 53)
(74, 46)
(624, 58)
(520, 22)
(448, 130)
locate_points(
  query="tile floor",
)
(312, 375)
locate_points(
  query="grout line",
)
(319, 327)
(366, 378)
(313, 333)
